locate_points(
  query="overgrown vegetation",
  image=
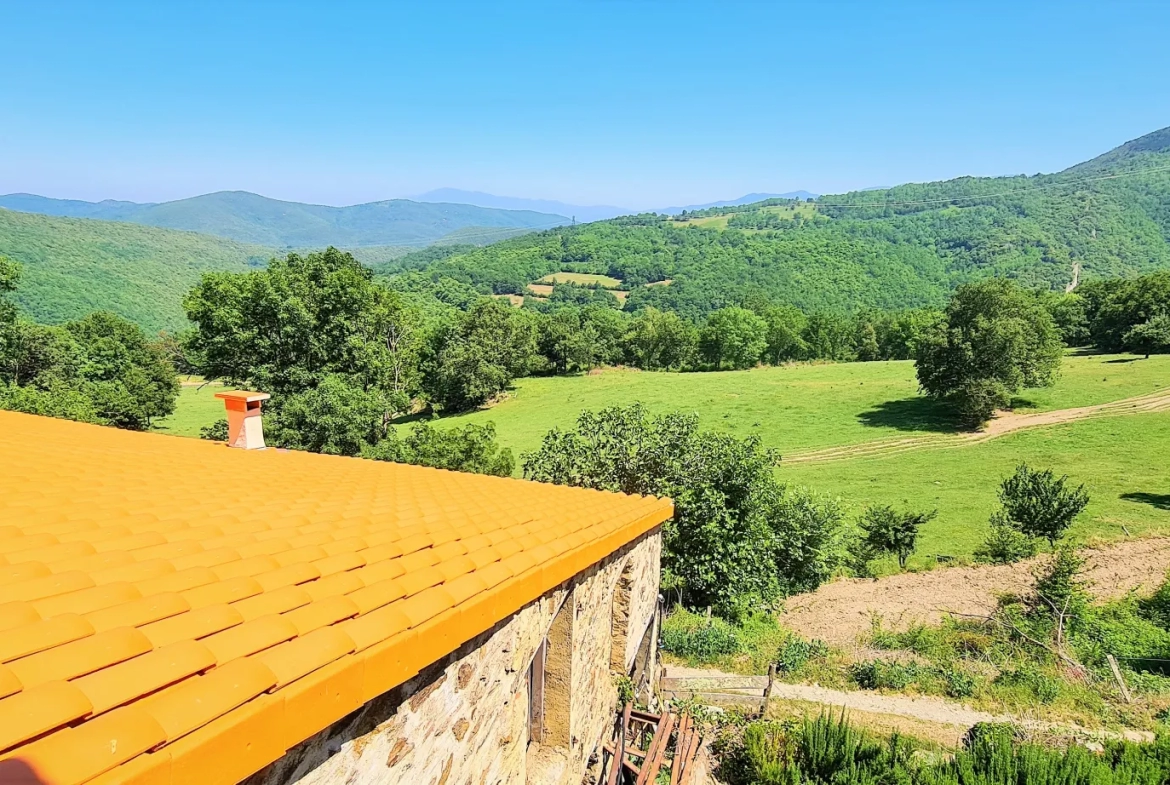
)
(830, 750)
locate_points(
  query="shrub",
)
(1038, 504)
(886, 530)
(1005, 544)
(879, 674)
(216, 432)
(796, 652)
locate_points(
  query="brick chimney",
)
(243, 414)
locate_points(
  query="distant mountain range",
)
(250, 218)
(583, 213)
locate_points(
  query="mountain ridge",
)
(250, 218)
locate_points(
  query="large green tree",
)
(738, 538)
(288, 328)
(475, 356)
(733, 338)
(995, 339)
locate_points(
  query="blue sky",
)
(638, 104)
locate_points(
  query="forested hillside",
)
(250, 218)
(74, 266)
(907, 246)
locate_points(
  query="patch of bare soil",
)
(840, 613)
(1003, 423)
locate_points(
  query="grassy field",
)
(582, 279)
(720, 221)
(197, 407)
(804, 407)
(1121, 461)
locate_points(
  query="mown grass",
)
(1121, 460)
(582, 279)
(798, 407)
(196, 408)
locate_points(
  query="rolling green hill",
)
(902, 247)
(250, 218)
(73, 266)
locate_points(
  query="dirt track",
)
(1004, 423)
(840, 612)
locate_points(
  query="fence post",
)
(1117, 675)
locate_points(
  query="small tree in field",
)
(1151, 337)
(1039, 504)
(886, 530)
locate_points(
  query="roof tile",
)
(346, 577)
(79, 754)
(28, 714)
(41, 635)
(80, 657)
(122, 683)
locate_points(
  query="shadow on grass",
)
(1159, 500)
(912, 414)
(1122, 360)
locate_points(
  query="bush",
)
(1157, 607)
(1043, 687)
(216, 432)
(879, 674)
(796, 652)
(829, 750)
(1005, 544)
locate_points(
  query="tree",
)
(474, 357)
(1151, 337)
(286, 328)
(785, 326)
(886, 530)
(1039, 504)
(995, 340)
(131, 379)
(334, 417)
(660, 341)
(738, 537)
(735, 337)
(472, 448)
(829, 336)
(568, 341)
(98, 369)
(9, 278)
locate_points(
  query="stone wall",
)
(466, 718)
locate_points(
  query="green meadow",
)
(1121, 459)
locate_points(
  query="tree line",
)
(101, 368)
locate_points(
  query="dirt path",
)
(840, 613)
(1004, 423)
(938, 711)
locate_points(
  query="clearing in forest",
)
(582, 279)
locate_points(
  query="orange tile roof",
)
(175, 611)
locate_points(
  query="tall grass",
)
(828, 750)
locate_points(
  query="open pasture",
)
(582, 279)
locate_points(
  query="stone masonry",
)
(466, 718)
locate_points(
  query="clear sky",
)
(638, 104)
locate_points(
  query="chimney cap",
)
(243, 395)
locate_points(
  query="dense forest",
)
(905, 247)
(74, 266)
